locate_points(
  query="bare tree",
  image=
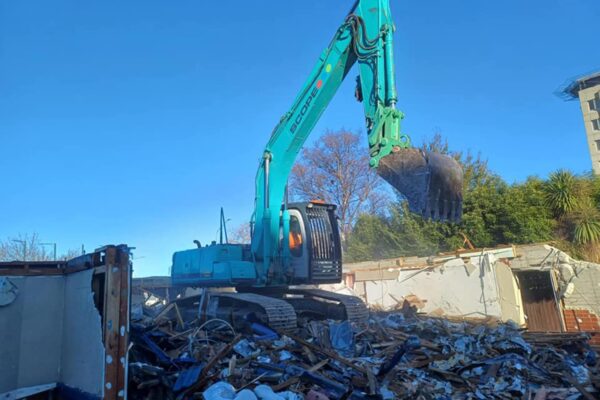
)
(29, 248)
(336, 170)
(71, 253)
(241, 234)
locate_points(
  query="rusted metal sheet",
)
(539, 302)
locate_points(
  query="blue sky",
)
(133, 122)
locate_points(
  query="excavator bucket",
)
(431, 182)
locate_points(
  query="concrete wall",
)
(51, 333)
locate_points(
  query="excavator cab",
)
(314, 241)
(430, 182)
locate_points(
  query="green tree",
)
(563, 210)
(395, 235)
(493, 213)
(585, 221)
(574, 201)
(561, 192)
(481, 207)
(523, 216)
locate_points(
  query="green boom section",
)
(366, 38)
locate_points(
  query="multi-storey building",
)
(587, 89)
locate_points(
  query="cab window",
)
(295, 237)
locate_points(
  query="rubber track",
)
(356, 310)
(280, 314)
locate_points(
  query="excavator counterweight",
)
(430, 182)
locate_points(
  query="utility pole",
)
(51, 244)
(24, 243)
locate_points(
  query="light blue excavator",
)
(296, 244)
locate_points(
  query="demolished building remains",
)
(178, 352)
(536, 286)
(452, 326)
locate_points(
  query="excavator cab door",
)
(299, 259)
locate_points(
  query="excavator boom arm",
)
(430, 182)
(366, 38)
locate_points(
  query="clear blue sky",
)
(133, 122)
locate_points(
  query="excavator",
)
(296, 246)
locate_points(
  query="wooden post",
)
(116, 321)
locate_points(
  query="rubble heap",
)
(395, 356)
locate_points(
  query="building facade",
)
(587, 89)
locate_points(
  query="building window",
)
(594, 104)
(597, 144)
(596, 124)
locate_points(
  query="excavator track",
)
(280, 314)
(356, 310)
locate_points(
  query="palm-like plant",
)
(586, 223)
(561, 192)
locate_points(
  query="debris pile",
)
(393, 356)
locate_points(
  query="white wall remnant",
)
(51, 333)
(29, 358)
(510, 300)
(476, 284)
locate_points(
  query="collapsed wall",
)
(576, 284)
(537, 286)
(474, 284)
